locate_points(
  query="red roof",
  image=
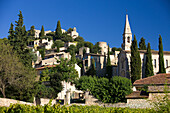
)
(158, 79)
(48, 66)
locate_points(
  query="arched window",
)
(128, 39)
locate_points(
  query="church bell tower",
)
(127, 35)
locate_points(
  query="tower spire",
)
(127, 35)
(127, 26)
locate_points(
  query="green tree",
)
(58, 44)
(42, 52)
(73, 57)
(96, 48)
(11, 35)
(148, 65)
(89, 44)
(42, 33)
(67, 69)
(135, 61)
(55, 82)
(69, 30)
(32, 31)
(119, 87)
(14, 74)
(142, 45)
(85, 82)
(19, 42)
(161, 57)
(66, 38)
(79, 39)
(58, 32)
(108, 65)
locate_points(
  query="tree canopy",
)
(13, 73)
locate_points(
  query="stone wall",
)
(6, 102)
(138, 103)
(44, 101)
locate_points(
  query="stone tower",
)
(127, 35)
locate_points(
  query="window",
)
(166, 63)
(128, 39)
(86, 63)
(155, 63)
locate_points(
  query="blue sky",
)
(95, 20)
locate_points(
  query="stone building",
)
(158, 86)
(125, 54)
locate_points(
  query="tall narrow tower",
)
(127, 35)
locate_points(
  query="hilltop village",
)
(60, 64)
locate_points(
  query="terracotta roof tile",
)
(48, 66)
(158, 79)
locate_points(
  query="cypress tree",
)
(108, 65)
(135, 62)
(11, 34)
(42, 33)
(58, 32)
(142, 45)
(161, 57)
(148, 64)
(19, 41)
(73, 57)
(32, 31)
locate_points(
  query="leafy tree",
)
(79, 45)
(148, 65)
(55, 82)
(92, 70)
(161, 57)
(79, 39)
(58, 32)
(69, 30)
(89, 44)
(42, 91)
(142, 45)
(108, 91)
(42, 52)
(67, 70)
(115, 49)
(85, 82)
(135, 61)
(58, 44)
(42, 33)
(119, 88)
(96, 48)
(19, 42)
(108, 65)
(71, 49)
(66, 38)
(44, 76)
(13, 73)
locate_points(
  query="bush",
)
(18, 108)
(112, 91)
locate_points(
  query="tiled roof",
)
(137, 95)
(159, 79)
(48, 66)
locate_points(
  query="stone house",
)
(157, 85)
